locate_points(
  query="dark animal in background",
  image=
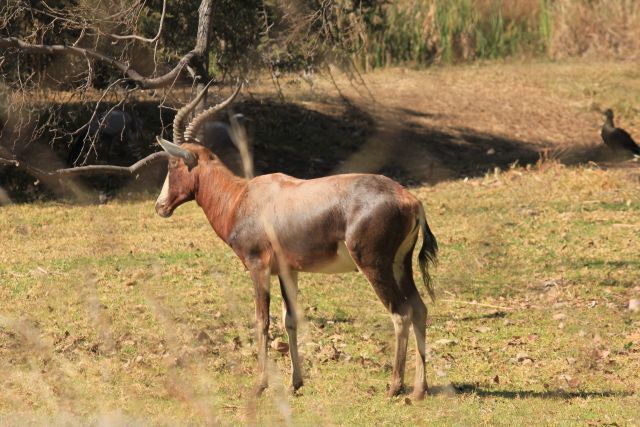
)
(110, 138)
(280, 225)
(617, 139)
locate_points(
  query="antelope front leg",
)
(261, 285)
(289, 288)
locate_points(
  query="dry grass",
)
(601, 28)
(437, 31)
(112, 315)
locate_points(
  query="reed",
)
(423, 32)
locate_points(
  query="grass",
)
(110, 314)
(436, 31)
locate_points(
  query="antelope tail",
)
(428, 253)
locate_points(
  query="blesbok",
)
(280, 225)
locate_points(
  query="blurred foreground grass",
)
(110, 314)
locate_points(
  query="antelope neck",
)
(218, 192)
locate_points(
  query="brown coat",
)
(280, 225)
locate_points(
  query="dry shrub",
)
(605, 28)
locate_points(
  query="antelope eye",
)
(173, 162)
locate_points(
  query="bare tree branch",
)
(144, 39)
(86, 170)
(142, 81)
(195, 57)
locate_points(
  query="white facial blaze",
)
(164, 193)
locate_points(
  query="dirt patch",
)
(415, 126)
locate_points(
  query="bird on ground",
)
(615, 138)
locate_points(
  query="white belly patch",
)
(342, 263)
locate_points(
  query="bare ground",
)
(452, 122)
(418, 126)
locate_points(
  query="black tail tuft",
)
(428, 253)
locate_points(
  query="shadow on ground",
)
(305, 139)
(465, 388)
(307, 143)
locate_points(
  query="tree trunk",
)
(202, 47)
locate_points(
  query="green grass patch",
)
(151, 319)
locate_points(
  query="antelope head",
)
(180, 184)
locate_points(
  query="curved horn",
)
(178, 136)
(203, 116)
(177, 151)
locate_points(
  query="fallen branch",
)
(86, 170)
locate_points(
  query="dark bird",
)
(615, 138)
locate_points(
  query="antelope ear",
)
(177, 151)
